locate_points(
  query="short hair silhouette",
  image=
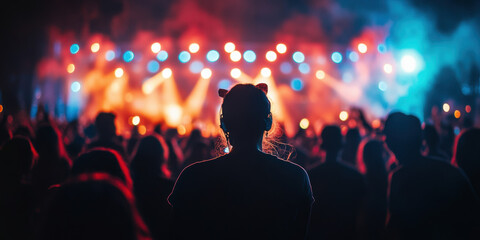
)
(331, 138)
(403, 135)
(17, 158)
(467, 155)
(150, 155)
(105, 125)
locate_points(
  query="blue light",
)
(304, 68)
(347, 77)
(74, 48)
(224, 84)
(196, 67)
(298, 57)
(286, 68)
(212, 56)
(353, 56)
(337, 57)
(128, 56)
(249, 56)
(296, 84)
(110, 55)
(382, 86)
(184, 57)
(162, 56)
(75, 86)
(153, 66)
(382, 48)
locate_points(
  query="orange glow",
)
(194, 48)
(206, 73)
(156, 47)
(320, 74)
(196, 100)
(135, 120)
(266, 72)
(271, 56)
(181, 130)
(281, 48)
(236, 73)
(362, 48)
(229, 47)
(468, 109)
(152, 83)
(457, 114)
(173, 114)
(95, 47)
(304, 123)
(1, 108)
(376, 123)
(235, 56)
(118, 72)
(70, 68)
(142, 129)
(343, 115)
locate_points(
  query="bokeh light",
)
(286, 68)
(118, 72)
(70, 68)
(1, 108)
(296, 84)
(347, 77)
(304, 68)
(167, 73)
(320, 74)
(235, 56)
(109, 55)
(381, 48)
(75, 87)
(184, 57)
(376, 123)
(213, 56)
(153, 66)
(408, 63)
(156, 47)
(265, 72)
(387, 68)
(142, 130)
(337, 57)
(95, 47)
(196, 67)
(224, 84)
(304, 123)
(298, 57)
(74, 48)
(457, 114)
(136, 120)
(343, 116)
(382, 85)
(353, 56)
(128, 56)
(281, 48)
(271, 56)
(235, 73)
(249, 56)
(206, 73)
(181, 130)
(162, 56)
(446, 107)
(468, 109)
(194, 48)
(229, 47)
(362, 48)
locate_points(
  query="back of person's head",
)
(48, 142)
(17, 158)
(151, 154)
(105, 125)
(431, 136)
(92, 206)
(24, 130)
(246, 113)
(467, 150)
(102, 160)
(353, 137)
(332, 139)
(372, 155)
(403, 135)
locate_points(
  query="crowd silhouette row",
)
(398, 181)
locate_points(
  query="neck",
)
(247, 146)
(331, 157)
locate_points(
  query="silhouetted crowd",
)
(396, 181)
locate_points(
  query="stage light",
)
(156, 47)
(70, 68)
(286, 68)
(281, 48)
(249, 56)
(109, 55)
(181, 130)
(118, 72)
(376, 123)
(142, 130)
(298, 57)
(128, 56)
(320, 74)
(75, 87)
(224, 84)
(135, 120)
(271, 56)
(446, 107)
(304, 123)
(337, 57)
(229, 47)
(153, 66)
(167, 73)
(74, 48)
(381, 48)
(235, 56)
(184, 56)
(95, 47)
(408, 63)
(206, 73)
(296, 84)
(304, 68)
(194, 48)
(387, 68)
(1, 108)
(468, 109)
(343, 116)
(212, 56)
(457, 114)
(382, 86)
(196, 67)
(266, 72)
(235, 73)
(162, 55)
(353, 56)
(362, 48)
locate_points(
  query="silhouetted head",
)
(5, 135)
(151, 153)
(17, 158)
(403, 136)
(92, 206)
(246, 114)
(331, 139)
(467, 150)
(431, 137)
(105, 125)
(24, 131)
(48, 142)
(353, 136)
(372, 156)
(102, 160)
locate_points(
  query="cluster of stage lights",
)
(408, 62)
(457, 113)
